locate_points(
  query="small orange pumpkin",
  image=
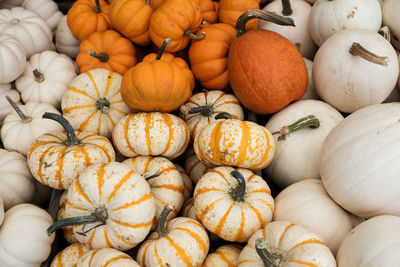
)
(230, 10)
(208, 11)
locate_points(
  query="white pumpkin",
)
(12, 58)
(27, 27)
(297, 153)
(69, 256)
(8, 4)
(328, 17)
(194, 167)
(46, 78)
(390, 11)
(106, 257)
(346, 80)
(5, 107)
(47, 10)
(23, 238)
(299, 11)
(310, 92)
(18, 132)
(66, 43)
(224, 256)
(358, 166)
(16, 181)
(1, 211)
(187, 183)
(374, 242)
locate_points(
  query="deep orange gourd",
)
(88, 16)
(208, 11)
(266, 71)
(230, 10)
(156, 3)
(107, 50)
(132, 19)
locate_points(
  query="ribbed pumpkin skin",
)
(70, 255)
(193, 166)
(237, 143)
(209, 56)
(106, 257)
(230, 10)
(187, 183)
(208, 11)
(120, 51)
(224, 256)
(132, 19)
(266, 71)
(83, 21)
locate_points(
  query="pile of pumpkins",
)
(200, 133)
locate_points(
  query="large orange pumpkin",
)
(266, 71)
(230, 10)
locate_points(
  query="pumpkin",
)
(93, 101)
(372, 243)
(23, 238)
(389, 10)
(232, 142)
(1, 211)
(68, 231)
(187, 183)
(106, 50)
(70, 255)
(132, 19)
(46, 78)
(66, 43)
(328, 17)
(310, 93)
(177, 20)
(224, 256)
(202, 108)
(88, 16)
(299, 131)
(193, 166)
(16, 183)
(27, 27)
(47, 10)
(340, 80)
(165, 181)
(108, 205)
(5, 107)
(230, 10)
(179, 242)
(265, 70)
(233, 203)
(24, 124)
(208, 57)
(106, 257)
(208, 11)
(151, 134)
(55, 158)
(161, 82)
(12, 54)
(283, 243)
(356, 163)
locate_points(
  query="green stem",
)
(71, 137)
(286, 8)
(102, 56)
(39, 77)
(162, 48)
(152, 176)
(103, 105)
(148, 2)
(309, 121)
(239, 191)
(161, 221)
(97, 9)
(357, 50)
(206, 111)
(223, 115)
(269, 260)
(191, 35)
(23, 117)
(260, 14)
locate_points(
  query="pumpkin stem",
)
(238, 192)
(151, 176)
(191, 35)
(71, 137)
(97, 9)
(103, 105)
(223, 115)
(103, 57)
(260, 14)
(162, 48)
(148, 2)
(99, 215)
(206, 111)
(23, 117)
(269, 260)
(39, 77)
(309, 121)
(161, 221)
(286, 8)
(385, 32)
(357, 50)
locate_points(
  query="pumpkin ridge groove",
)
(142, 199)
(222, 221)
(123, 180)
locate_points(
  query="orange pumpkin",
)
(230, 10)
(88, 16)
(209, 56)
(266, 71)
(106, 50)
(208, 11)
(132, 19)
(156, 3)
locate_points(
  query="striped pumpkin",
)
(187, 183)
(224, 256)
(56, 158)
(194, 167)
(236, 143)
(202, 108)
(108, 206)
(233, 203)
(179, 242)
(286, 244)
(165, 181)
(106, 257)
(151, 134)
(70, 255)
(93, 101)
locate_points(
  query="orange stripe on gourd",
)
(181, 252)
(134, 202)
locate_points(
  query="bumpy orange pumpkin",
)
(106, 50)
(208, 11)
(88, 16)
(230, 10)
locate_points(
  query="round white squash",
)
(310, 92)
(5, 107)
(390, 11)
(12, 58)
(66, 43)
(47, 10)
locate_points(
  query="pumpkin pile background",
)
(199, 133)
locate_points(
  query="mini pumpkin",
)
(193, 166)
(208, 11)
(106, 257)
(65, 42)
(70, 255)
(230, 10)
(12, 54)
(224, 256)
(187, 183)
(47, 10)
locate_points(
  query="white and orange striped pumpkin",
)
(116, 205)
(151, 134)
(233, 203)
(236, 143)
(70, 255)
(187, 183)
(93, 101)
(224, 256)
(189, 211)
(165, 181)
(179, 242)
(193, 166)
(286, 244)
(106, 257)
(202, 108)
(55, 159)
